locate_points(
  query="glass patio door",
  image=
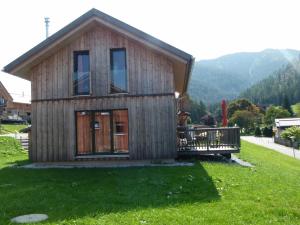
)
(84, 133)
(120, 131)
(102, 132)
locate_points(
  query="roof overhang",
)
(182, 61)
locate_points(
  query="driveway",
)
(269, 143)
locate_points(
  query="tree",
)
(202, 107)
(241, 104)
(208, 120)
(216, 112)
(244, 119)
(286, 104)
(296, 109)
(197, 110)
(275, 112)
(245, 114)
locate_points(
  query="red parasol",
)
(224, 114)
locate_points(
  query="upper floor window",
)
(118, 71)
(81, 75)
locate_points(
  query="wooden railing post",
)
(207, 140)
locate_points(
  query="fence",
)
(208, 139)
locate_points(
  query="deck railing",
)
(208, 139)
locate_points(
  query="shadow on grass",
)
(75, 193)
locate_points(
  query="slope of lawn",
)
(207, 193)
(11, 153)
(11, 128)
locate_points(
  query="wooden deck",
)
(203, 141)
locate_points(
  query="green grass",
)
(11, 153)
(11, 128)
(207, 193)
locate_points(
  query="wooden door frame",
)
(93, 152)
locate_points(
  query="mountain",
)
(228, 76)
(283, 83)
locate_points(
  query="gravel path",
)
(269, 143)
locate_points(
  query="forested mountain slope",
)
(282, 83)
(228, 76)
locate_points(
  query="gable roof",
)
(18, 66)
(4, 93)
(19, 89)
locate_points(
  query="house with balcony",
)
(103, 89)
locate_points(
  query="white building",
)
(283, 123)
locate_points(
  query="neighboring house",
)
(5, 99)
(283, 123)
(280, 126)
(101, 88)
(19, 111)
(10, 109)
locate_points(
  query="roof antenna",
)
(47, 21)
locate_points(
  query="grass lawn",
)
(207, 193)
(11, 128)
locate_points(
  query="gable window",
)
(118, 71)
(81, 73)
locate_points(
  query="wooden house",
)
(11, 109)
(5, 98)
(101, 88)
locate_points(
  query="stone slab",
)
(30, 218)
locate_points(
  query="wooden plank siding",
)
(152, 126)
(148, 71)
(151, 133)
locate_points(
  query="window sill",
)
(75, 96)
(121, 93)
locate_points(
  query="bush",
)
(292, 133)
(257, 132)
(267, 132)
